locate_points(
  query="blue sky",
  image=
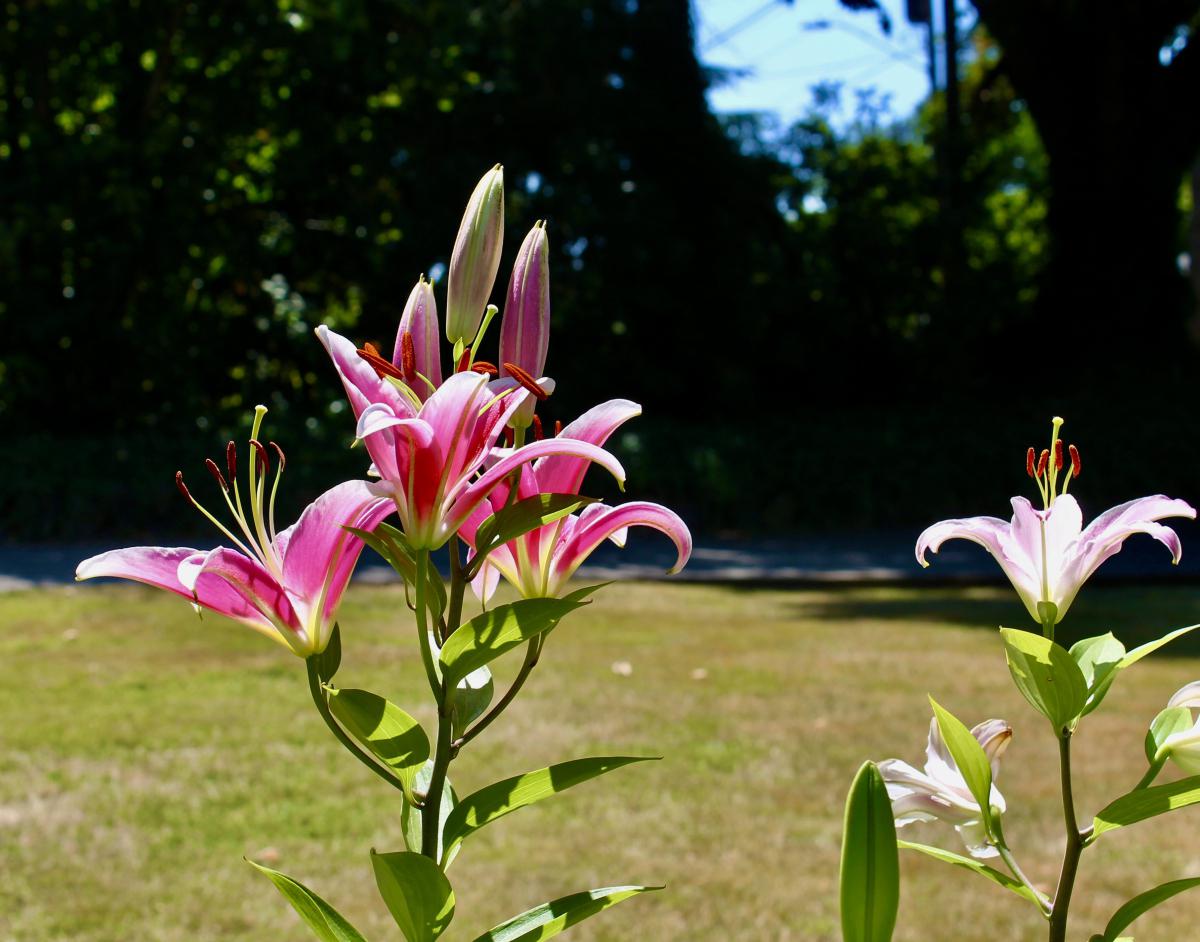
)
(792, 46)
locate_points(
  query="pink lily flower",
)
(419, 357)
(286, 584)
(1047, 554)
(940, 793)
(428, 457)
(525, 330)
(539, 563)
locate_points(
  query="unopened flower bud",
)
(476, 258)
(525, 331)
(420, 322)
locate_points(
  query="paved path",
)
(865, 558)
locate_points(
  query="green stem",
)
(422, 576)
(1150, 776)
(318, 695)
(432, 814)
(1007, 856)
(458, 587)
(1075, 843)
(532, 653)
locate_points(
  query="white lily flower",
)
(940, 793)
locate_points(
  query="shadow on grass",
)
(1134, 614)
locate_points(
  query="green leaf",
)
(1046, 675)
(416, 892)
(1099, 659)
(1143, 903)
(473, 695)
(327, 923)
(969, 863)
(485, 637)
(386, 730)
(394, 547)
(1151, 646)
(501, 798)
(329, 660)
(519, 518)
(549, 919)
(1144, 803)
(972, 761)
(870, 870)
(411, 817)
(1171, 720)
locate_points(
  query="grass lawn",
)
(143, 753)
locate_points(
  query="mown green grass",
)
(143, 753)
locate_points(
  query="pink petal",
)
(420, 319)
(249, 579)
(563, 474)
(158, 566)
(362, 384)
(476, 492)
(589, 533)
(525, 329)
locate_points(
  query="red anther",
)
(372, 349)
(1076, 464)
(463, 360)
(527, 381)
(280, 455)
(216, 473)
(557, 427)
(538, 434)
(231, 460)
(483, 366)
(1030, 462)
(1058, 455)
(264, 463)
(408, 356)
(510, 437)
(183, 487)
(381, 366)
(1043, 461)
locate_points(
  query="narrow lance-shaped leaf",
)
(1151, 646)
(1143, 903)
(519, 518)
(549, 919)
(1046, 675)
(386, 730)
(870, 870)
(416, 892)
(503, 798)
(393, 546)
(970, 758)
(485, 637)
(969, 863)
(329, 660)
(1144, 803)
(411, 821)
(327, 923)
(472, 697)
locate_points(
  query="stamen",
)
(557, 427)
(216, 473)
(463, 361)
(483, 366)
(183, 488)
(408, 356)
(510, 437)
(231, 460)
(1043, 461)
(1030, 461)
(280, 455)
(1076, 464)
(1058, 454)
(275, 487)
(527, 381)
(538, 434)
(264, 463)
(383, 368)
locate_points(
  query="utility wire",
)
(744, 23)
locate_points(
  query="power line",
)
(744, 23)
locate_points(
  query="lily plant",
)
(1048, 555)
(448, 458)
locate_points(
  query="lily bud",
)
(476, 258)
(525, 331)
(1183, 746)
(420, 321)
